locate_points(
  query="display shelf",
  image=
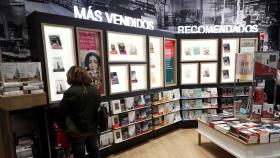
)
(25, 101)
(226, 96)
(165, 102)
(157, 128)
(131, 110)
(135, 136)
(165, 114)
(199, 98)
(147, 119)
(104, 147)
(199, 108)
(110, 130)
(226, 107)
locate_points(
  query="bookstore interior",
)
(215, 79)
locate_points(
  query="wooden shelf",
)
(25, 101)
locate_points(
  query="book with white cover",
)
(117, 135)
(129, 103)
(131, 131)
(176, 94)
(131, 117)
(116, 106)
(214, 92)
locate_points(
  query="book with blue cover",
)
(197, 92)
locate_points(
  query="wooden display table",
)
(236, 146)
(8, 104)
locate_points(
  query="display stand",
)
(236, 146)
(8, 105)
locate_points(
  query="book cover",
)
(165, 96)
(131, 131)
(149, 113)
(187, 93)
(268, 110)
(115, 121)
(197, 92)
(256, 111)
(55, 41)
(191, 115)
(185, 104)
(138, 115)
(131, 117)
(191, 103)
(114, 78)
(198, 103)
(116, 106)
(60, 86)
(144, 127)
(239, 91)
(176, 94)
(177, 116)
(129, 103)
(230, 91)
(125, 133)
(117, 136)
(138, 129)
(214, 92)
(58, 64)
(150, 125)
(206, 92)
(156, 98)
(197, 114)
(122, 48)
(148, 100)
(113, 49)
(123, 107)
(185, 115)
(214, 102)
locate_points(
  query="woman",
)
(92, 63)
(80, 107)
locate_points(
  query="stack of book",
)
(33, 87)
(12, 88)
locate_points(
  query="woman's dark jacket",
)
(82, 109)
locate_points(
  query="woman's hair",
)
(89, 55)
(78, 76)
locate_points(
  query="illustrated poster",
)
(91, 56)
(244, 67)
(169, 60)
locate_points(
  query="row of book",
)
(20, 88)
(199, 103)
(132, 117)
(266, 131)
(237, 91)
(165, 120)
(165, 108)
(165, 96)
(197, 114)
(199, 93)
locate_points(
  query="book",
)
(239, 91)
(122, 104)
(177, 116)
(206, 92)
(197, 92)
(185, 104)
(129, 103)
(230, 92)
(115, 121)
(185, 115)
(165, 96)
(214, 92)
(10, 89)
(214, 102)
(36, 91)
(123, 119)
(156, 98)
(116, 106)
(144, 127)
(197, 114)
(117, 136)
(149, 113)
(268, 110)
(139, 102)
(138, 129)
(198, 103)
(11, 84)
(191, 115)
(148, 100)
(13, 93)
(105, 139)
(150, 125)
(187, 93)
(176, 94)
(256, 111)
(131, 131)
(191, 103)
(131, 117)
(125, 133)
